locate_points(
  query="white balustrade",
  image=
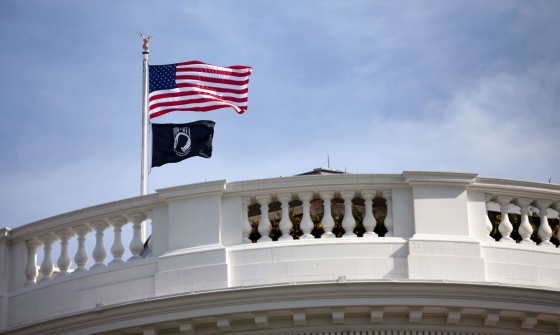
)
(246, 228)
(178, 209)
(136, 245)
(388, 222)
(489, 226)
(264, 225)
(117, 249)
(369, 221)
(306, 224)
(47, 265)
(505, 226)
(285, 224)
(525, 229)
(348, 221)
(285, 197)
(81, 257)
(64, 261)
(327, 222)
(545, 232)
(99, 252)
(31, 272)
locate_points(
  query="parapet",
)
(392, 249)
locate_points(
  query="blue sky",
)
(382, 87)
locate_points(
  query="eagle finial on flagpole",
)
(146, 40)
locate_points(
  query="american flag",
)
(197, 87)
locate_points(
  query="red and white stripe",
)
(203, 87)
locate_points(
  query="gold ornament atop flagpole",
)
(146, 40)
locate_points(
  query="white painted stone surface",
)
(440, 210)
(160, 230)
(17, 260)
(403, 212)
(193, 269)
(522, 265)
(439, 222)
(230, 225)
(432, 258)
(82, 291)
(318, 260)
(477, 215)
(194, 222)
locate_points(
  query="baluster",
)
(31, 268)
(264, 225)
(285, 224)
(151, 238)
(246, 228)
(369, 220)
(99, 252)
(327, 222)
(64, 261)
(525, 229)
(47, 265)
(348, 221)
(81, 257)
(117, 249)
(544, 229)
(136, 246)
(489, 226)
(388, 222)
(306, 225)
(557, 208)
(505, 226)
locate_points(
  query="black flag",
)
(171, 143)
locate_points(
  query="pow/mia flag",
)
(171, 143)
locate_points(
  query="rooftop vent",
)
(321, 171)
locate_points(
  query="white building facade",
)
(436, 270)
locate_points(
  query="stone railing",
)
(327, 222)
(544, 201)
(76, 225)
(437, 229)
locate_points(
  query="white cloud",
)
(499, 127)
(381, 87)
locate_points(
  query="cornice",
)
(81, 216)
(192, 190)
(516, 188)
(379, 293)
(439, 178)
(315, 183)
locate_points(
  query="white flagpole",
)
(144, 172)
